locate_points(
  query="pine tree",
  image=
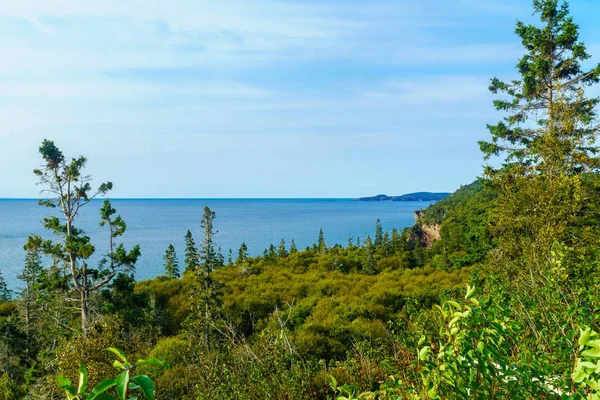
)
(272, 252)
(171, 263)
(545, 215)
(281, 251)
(550, 94)
(192, 256)
(230, 257)
(242, 254)
(350, 241)
(29, 296)
(378, 234)
(69, 190)
(4, 292)
(369, 265)
(548, 141)
(293, 248)
(321, 245)
(209, 295)
(385, 244)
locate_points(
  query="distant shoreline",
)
(418, 196)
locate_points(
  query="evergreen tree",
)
(68, 189)
(550, 94)
(220, 258)
(378, 234)
(242, 254)
(321, 245)
(29, 296)
(192, 256)
(171, 263)
(272, 252)
(548, 141)
(281, 251)
(230, 257)
(350, 241)
(293, 248)
(385, 244)
(4, 292)
(369, 265)
(209, 295)
(545, 215)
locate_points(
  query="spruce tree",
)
(230, 257)
(4, 292)
(171, 263)
(321, 245)
(29, 296)
(192, 256)
(548, 142)
(293, 248)
(209, 292)
(545, 217)
(551, 128)
(272, 252)
(242, 254)
(68, 189)
(281, 251)
(378, 234)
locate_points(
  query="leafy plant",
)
(122, 384)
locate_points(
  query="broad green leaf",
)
(593, 343)
(119, 354)
(584, 336)
(592, 353)
(145, 384)
(83, 376)
(101, 388)
(424, 353)
(122, 381)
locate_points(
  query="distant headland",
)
(419, 196)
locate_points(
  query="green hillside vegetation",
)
(492, 294)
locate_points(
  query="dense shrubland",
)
(387, 318)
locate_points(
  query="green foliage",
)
(123, 384)
(171, 263)
(477, 355)
(4, 292)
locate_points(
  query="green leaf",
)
(83, 377)
(145, 384)
(119, 354)
(424, 353)
(152, 361)
(65, 384)
(584, 336)
(101, 388)
(119, 365)
(62, 381)
(592, 353)
(470, 291)
(122, 381)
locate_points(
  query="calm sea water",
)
(154, 224)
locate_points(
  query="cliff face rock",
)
(425, 233)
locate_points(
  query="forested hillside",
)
(493, 293)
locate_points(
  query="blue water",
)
(154, 224)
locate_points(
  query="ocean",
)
(156, 223)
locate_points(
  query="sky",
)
(258, 98)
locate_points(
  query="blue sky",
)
(303, 98)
